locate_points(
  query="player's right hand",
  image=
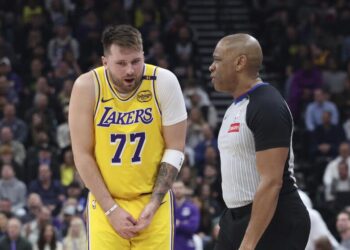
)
(123, 223)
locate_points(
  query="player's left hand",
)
(146, 216)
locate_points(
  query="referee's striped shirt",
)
(258, 120)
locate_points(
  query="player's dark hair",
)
(122, 35)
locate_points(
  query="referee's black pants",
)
(289, 228)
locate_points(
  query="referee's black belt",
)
(239, 212)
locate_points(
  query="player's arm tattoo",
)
(166, 176)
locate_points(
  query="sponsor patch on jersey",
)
(144, 96)
(234, 127)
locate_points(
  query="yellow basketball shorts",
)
(158, 235)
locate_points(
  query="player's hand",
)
(146, 216)
(123, 223)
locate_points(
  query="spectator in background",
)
(68, 212)
(33, 40)
(195, 123)
(49, 189)
(59, 10)
(115, 13)
(146, 12)
(189, 156)
(13, 239)
(188, 176)
(72, 63)
(214, 237)
(7, 92)
(37, 130)
(211, 156)
(19, 151)
(65, 70)
(185, 46)
(31, 9)
(187, 219)
(76, 191)
(340, 187)
(62, 133)
(41, 106)
(316, 109)
(7, 157)
(208, 140)
(208, 110)
(209, 208)
(343, 228)
(334, 79)
(76, 237)
(43, 87)
(332, 172)
(346, 125)
(67, 168)
(64, 94)
(191, 87)
(6, 207)
(212, 177)
(15, 81)
(41, 153)
(31, 230)
(6, 49)
(3, 224)
(13, 189)
(33, 207)
(156, 53)
(62, 42)
(89, 30)
(345, 49)
(304, 82)
(18, 127)
(48, 239)
(326, 137)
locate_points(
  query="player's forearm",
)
(264, 207)
(93, 180)
(166, 176)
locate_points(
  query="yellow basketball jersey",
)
(128, 135)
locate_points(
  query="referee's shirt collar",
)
(241, 97)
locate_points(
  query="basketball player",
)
(128, 126)
(264, 211)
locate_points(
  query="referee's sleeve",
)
(269, 119)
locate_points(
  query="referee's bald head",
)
(245, 45)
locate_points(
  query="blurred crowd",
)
(306, 43)
(46, 44)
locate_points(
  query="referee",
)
(264, 210)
